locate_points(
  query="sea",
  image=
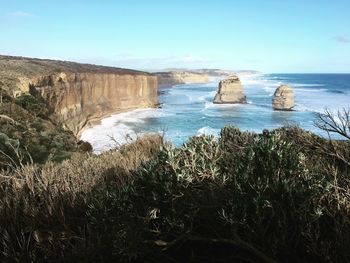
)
(187, 110)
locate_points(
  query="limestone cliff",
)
(230, 90)
(79, 93)
(171, 78)
(283, 98)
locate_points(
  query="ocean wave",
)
(306, 85)
(269, 90)
(293, 85)
(308, 108)
(140, 114)
(103, 138)
(189, 97)
(116, 130)
(280, 78)
(209, 105)
(207, 97)
(336, 91)
(253, 81)
(310, 90)
(207, 130)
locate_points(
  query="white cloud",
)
(20, 14)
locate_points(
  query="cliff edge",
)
(78, 93)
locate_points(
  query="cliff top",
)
(208, 71)
(230, 79)
(11, 68)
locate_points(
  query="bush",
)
(44, 210)
(241, 198)
(33, 104)
(37, 138)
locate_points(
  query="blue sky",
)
(269, 35)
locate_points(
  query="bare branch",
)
(335, 123)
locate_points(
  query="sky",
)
(271, 36)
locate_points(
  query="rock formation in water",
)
(79, 93)
(283, 98)
(230, 91)
(171, 78)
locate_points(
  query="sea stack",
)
(283, 98)
(230, 91)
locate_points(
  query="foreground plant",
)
(281, 196)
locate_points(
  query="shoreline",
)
(97, 120)
(254, 116)
(212, 79)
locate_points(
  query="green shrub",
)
(33, 104)
(240, 198)
(272, 205)
(38, 139)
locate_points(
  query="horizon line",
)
(166, 69)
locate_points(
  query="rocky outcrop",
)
(230, 91)
(78, 93)
(171, 78)
(283, 98)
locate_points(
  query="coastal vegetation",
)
(279, 196)
(29, 135)
(78, 93)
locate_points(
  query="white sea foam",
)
(210, 105)
(101, 137)
(189, 97)
(270, 90)
(252, 81)
(306, 85)
(309, 90)
(116, 130)
(207, 97)
(208, 131)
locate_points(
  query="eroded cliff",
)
(79, 93)
(283, 99)
(230, 90)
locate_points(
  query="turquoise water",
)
(187, 110)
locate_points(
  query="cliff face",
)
(171, 78)
(80, 93)
(77, 98)
(230, 91)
